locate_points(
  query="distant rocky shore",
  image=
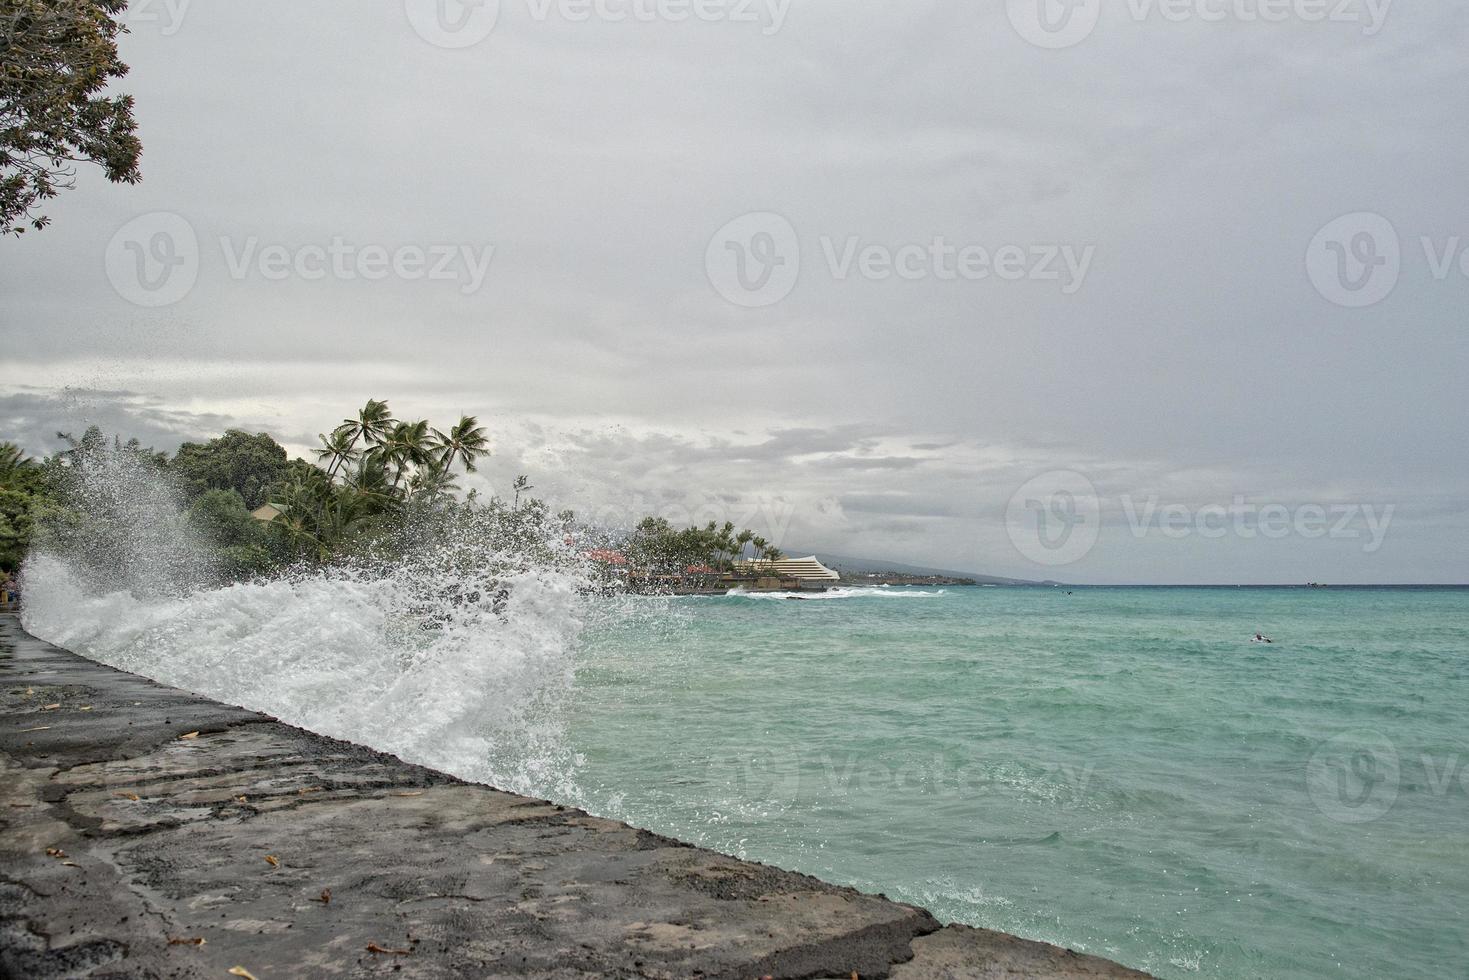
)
(898, 578)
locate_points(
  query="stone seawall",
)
(148, 832)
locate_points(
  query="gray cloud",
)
(1196, 361)
(34, 418)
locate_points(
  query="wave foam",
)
(353, 656)
(841, 593)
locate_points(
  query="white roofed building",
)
(802, 569)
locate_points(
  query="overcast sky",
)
(910, 282)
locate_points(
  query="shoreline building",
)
(807, 569)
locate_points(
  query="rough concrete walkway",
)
(147, 832)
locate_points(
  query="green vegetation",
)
(23, 501)
(380, 489)
(375, 472)
(56, 59)
(655, 545)
(251, 466)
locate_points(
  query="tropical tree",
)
(373, 424)
(242, 543)
(15, 465)
(336, 449)
(465, 441)
(18, 513)
(247, 464)
(369, 478)
(379, 486)
(23, 498)
(57, 58)
(319, 520)
(408, 446)
(92, 441)
(93, 447)
(299, 504)
(727, 541)
(432, 481)
(522, 485)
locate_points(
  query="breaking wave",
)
(457, 656)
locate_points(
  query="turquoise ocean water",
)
(1116, 770)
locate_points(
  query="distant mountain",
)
(867, 566)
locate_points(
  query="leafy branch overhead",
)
(57, 58)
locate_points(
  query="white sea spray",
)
(456, 653)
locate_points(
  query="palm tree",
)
(432, 480)
(373, 424)
(766, 551)
(743, 540)
(465, 441)
(299, 506)
(340, 447)
(319, 518)
(13, 462)
(725, 541)
(522, 484)
(91, 441)
(408, 446)
(369, 480)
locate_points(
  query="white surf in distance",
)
(841, 592)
